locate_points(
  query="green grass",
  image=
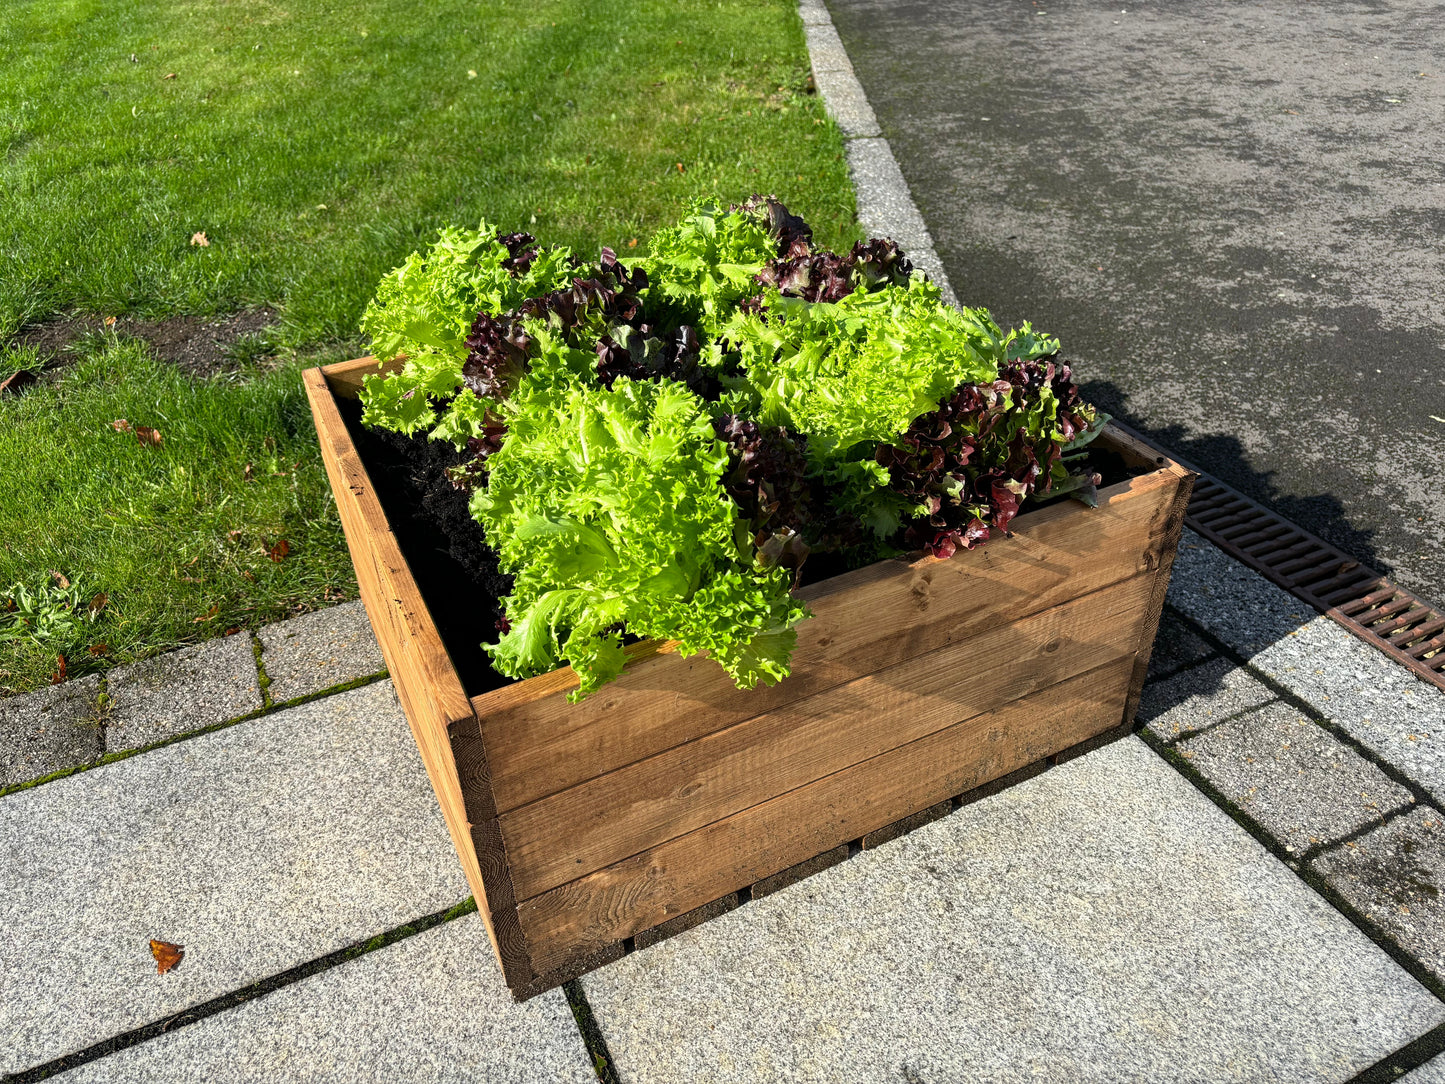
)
(315, 147)
(178, 535)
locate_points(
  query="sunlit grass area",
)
(168, 158)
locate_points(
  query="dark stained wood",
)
(678, 790)
(421, 671)
(862, 621)
(647, 889)
(1164, 547)
(623, 812)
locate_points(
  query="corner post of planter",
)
(437, 708)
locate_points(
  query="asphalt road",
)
(1232, 215)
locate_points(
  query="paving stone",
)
(428, 1009)
(1395, 876)
(1300, 783)
(1370, 696)
(1232, 602)
(319, 650)
(1432, 1072)
(1199, 698)
(180, 691)
(257, 847)
(1367, 694)
(846, 102)
(696, 917)
(886, 209)
(1176, 646)
(1101, 921)
(50, 729)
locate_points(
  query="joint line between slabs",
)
(126, 754)
(1282, 694)
(1409, 1057)
(220, 1004)
(1297, 866)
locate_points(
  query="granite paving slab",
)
(1302, 785)
(1199, 698)
(257, 847)
(317, 651)
(1432, 1072)
(1176, 646)
(50, 729)
(1376, 700)
(180, 691)
(429, 1009)
(1395, 876)
(1101, 921)
(1367, 694)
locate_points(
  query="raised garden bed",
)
(581, 826)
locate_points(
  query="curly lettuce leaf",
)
(608, 507)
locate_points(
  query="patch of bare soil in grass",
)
(200, 345)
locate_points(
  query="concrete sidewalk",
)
(1247, 889)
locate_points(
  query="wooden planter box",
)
(583, 826)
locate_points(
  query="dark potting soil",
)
(454, 568)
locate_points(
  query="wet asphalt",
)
(1233, 216)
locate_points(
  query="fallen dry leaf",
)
(199, 238)
(120, 425)
(232, 630)
(62, 670)
(99, 649)
(208, 615)
(279, 551)
(146, 435)
(99, 602)
(167, 955)
(246, 474)
(234, 536)
(60, 578)
(168, 75)
(681, 170)
(632, 243)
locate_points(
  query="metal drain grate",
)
(1402, 625)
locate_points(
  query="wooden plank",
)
(1166, 547)
(344, 377)
(422, 674)
(645, 890)
(862, 621)
(605, 819)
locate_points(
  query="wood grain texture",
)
(862, 621)
(345, 377)
(576, 919)
(421, 671)
(1165, 548)
(621, 813)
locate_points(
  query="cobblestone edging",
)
(92, 719)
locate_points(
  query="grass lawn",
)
(314, 148)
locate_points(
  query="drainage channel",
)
(1362, 600)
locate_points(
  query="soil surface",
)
(455, 570)
(200, 345)
(1229, 214)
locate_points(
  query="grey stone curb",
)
(885, 205)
